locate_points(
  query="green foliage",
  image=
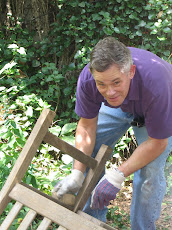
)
(124, 148)
(50, 67)
(119, 219)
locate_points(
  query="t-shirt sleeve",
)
(88, 100)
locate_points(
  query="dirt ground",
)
(123, 201)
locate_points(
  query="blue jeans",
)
(149, 184)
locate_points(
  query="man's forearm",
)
(85, 139)
(143, 155)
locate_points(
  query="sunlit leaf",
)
(69, 139)
(55, 130)
(68, 128)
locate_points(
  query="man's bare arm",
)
(143, 155)
(85, 139)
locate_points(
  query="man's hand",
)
(106, 189)
(70, 184)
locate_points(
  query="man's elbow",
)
(159, 144)
(163, 144)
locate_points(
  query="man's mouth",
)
(113, 98)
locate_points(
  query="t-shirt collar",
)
(133, 94)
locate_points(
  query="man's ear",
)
(132, 71)
(91, 71)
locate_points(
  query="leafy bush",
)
(50, 67)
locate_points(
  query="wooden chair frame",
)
(52, 210)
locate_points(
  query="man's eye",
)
(116, 82)
(100, 84)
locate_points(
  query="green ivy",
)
(50, 67)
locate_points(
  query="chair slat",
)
(11, 216)
(61, 228)
(92, 177)
(47, 208)
(44, 224)
(70, 150)
(27, 220)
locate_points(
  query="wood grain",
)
(51, 210)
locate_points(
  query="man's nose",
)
(110, 91)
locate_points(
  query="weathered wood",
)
(25, 157)
(94, 220)
(27, 220)
(92, 177)
(67, 199)
(48, 197)
(51, 210)
(61, 228)
(45, 223)
(11, 216)
(70, 150)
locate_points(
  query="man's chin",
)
(114, 104)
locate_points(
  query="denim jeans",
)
(149, 183)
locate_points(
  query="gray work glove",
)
(70, 184)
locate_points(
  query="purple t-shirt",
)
(149, 97)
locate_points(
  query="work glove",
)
(106, 189)
(70, 184)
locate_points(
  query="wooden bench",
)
(53, 211)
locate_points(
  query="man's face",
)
(113, 84)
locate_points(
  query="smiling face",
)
(113, 84)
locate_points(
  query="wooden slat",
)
(70, 150)
(25, 157)
(47, 196)
(92, 177)
(27, 220)
(61, 228)
(51, 210)
(45, 223)
(11, 216)
(94, 220)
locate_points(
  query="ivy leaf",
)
(139, 33)
(82, 4)
(28, 179)
(96, 17)
(142, 23)
(116, 30)
(69, 139)
(17, 132)
(29, 112)
(11, 142)
(167, 53)
(167, 30)
(108, 31)
(35, 63)
(13, 124)
(105, 14)
(55, 130)
(20, 142)
(68, 128)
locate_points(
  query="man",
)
(121, 87)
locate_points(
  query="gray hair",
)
(107, 52)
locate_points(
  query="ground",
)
(123, 202)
